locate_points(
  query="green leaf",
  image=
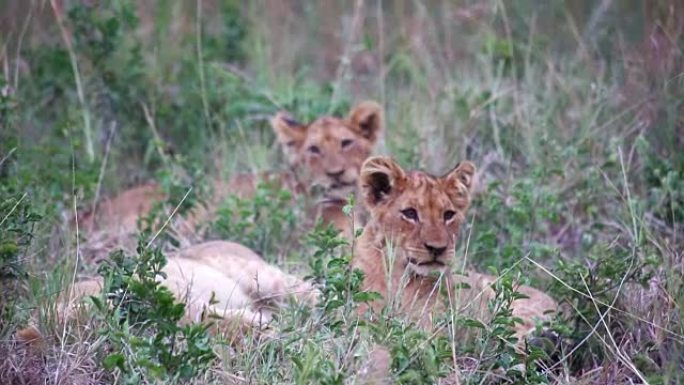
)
(473, 323)
(366, 296)
(97, 303)
(114, 360)
(337, 262)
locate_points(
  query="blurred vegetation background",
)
(574, 109)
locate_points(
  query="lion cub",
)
(218, 278)
(408, 245)
(325, 154)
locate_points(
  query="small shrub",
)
(664, 179)
(417, 356)
(146, 342)
(331, 269)
(8, 106)
(263, 222)
(510, 221)
(607, 269)
(308, 101)
(496, 349)
(311, 348)
(226, 42)
(17, 220)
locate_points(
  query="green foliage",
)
(17, 221)
(331, 269)
(120, 89)
(262, 222)
(311, 364)
(308, 101)
(146, 341)
(417, 357)
(112, 69)
(57, 137)
(528, 214)
(591, 287)
(501, 51)
(512, 221)
(497, 346)
(555, 91)
(100, 29)
(664, 177)
(524, 219)
(227, 41)
(307, 350)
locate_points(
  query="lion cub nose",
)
(435, 251)
(335, 174)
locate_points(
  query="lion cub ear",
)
(380, 177)
(290, 133)
(459, 182)
(367, 119)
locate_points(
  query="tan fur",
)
(395, 254)
(325, 154)
(342, 145)
(216, 278)
(242, 283)
(329, 151)
(112, 222)
(121, 213)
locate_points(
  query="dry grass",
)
(573, 109)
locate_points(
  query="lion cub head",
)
(329, 151)
(418, 215)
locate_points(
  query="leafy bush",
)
(664, 177)
(263, 222)
(225, 41)
(17, 220)
(496, 349)
(8, 106)
(513, 224)
(417, 356)
(561, 94)
(592, 287)
(146, 341)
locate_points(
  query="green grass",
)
(574, 111)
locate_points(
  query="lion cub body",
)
(121, 213)
(218, 278)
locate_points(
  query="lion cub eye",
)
(410, 213)
(448, 215)
(314, 149)
(346, 143)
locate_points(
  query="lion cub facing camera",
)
(408, 245)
